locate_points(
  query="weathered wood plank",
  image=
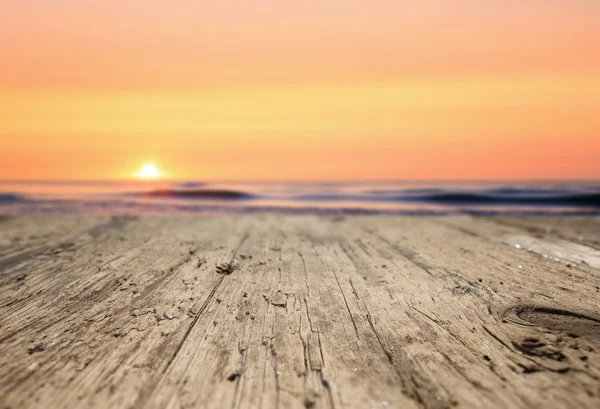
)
(297, 311)
(487, 287)
(579, 229)
(93, 302)
(545, 244)
(22, 238)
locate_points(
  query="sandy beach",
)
(267, 311)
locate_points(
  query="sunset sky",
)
(300, 89)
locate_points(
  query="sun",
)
(148, 171)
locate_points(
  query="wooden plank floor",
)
(267, 311)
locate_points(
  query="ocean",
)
(389, 197)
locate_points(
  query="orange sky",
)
(290, 89)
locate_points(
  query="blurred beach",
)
(385, 197)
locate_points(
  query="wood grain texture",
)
(269, 311)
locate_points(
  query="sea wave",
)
(203, 194)
(448, 197)
(397, 197)
(522, 199)
(9, 198)
(501, 197)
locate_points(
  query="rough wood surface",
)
(268, 311)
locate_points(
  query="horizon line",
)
(166, 180)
